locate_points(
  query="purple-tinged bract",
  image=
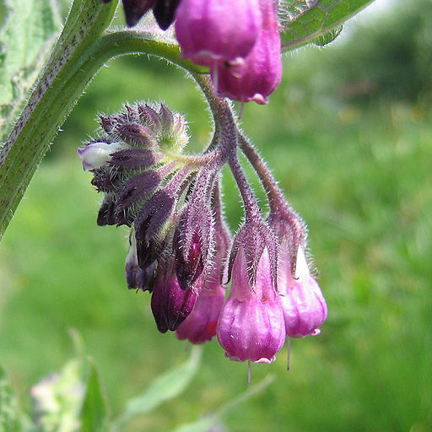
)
(217, 30)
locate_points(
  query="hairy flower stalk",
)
(180, 249)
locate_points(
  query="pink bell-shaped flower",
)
(217, 30)
(303, 304)
(251, 325)
(261, 71)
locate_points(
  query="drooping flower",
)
(217, 30)
(260, 73)
(303, 304)
(193, 241)
(170, 304)
(251, 325)
(200, 326)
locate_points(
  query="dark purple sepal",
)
(149, 252)
(167, 118)
(170, 304)
(137, 134)
(106, 211)
(105, 180)
(149, 117)
(134, 159)
(107, 123)
(164, 12)
(154, 215)
(136, 189)
(137, 277)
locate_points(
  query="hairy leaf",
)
(26, 37)
(306, 20)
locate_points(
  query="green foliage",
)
(361, 178)
(9, 413)
(25, 41)
(94, 411)
(163, 388)
(306, 21)
(214, 420)
(390, 59)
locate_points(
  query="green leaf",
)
(306, 20)
(205, 424)
(94, 411)
(9, 413)
(163, 388)
(25, 40)
(328, 37)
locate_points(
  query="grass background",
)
(357, 168)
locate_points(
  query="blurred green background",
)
(348, 134)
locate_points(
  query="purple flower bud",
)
(135, 9)
(261, 71)
(170, 304)
(303, 304)
(192, 242)
(136, 277)
(200, 325)
(106, 211)
(164, 11)
(96, 154)
(154, 215)
(135, 134)
(134, 159)
(217, 30)
(132, 193)
(251, 325)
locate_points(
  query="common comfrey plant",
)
(180, 248)
(253, 289)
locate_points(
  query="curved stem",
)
(79, 54)
(275, 196)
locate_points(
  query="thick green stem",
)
(80, 52)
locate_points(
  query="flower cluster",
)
(180, 248)
(238, 41)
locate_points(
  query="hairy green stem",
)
(81, 51)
